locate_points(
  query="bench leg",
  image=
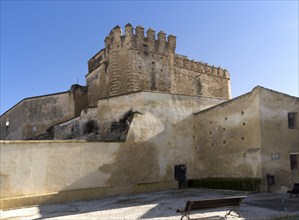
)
(291, 195)
(233, 210)
(185, 214)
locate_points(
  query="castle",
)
(145, 111)
(128, 64)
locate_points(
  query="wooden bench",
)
(233, 203)
(295, 190)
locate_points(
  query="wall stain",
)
(140, 159)
(251, 150)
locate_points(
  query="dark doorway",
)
(180, 174)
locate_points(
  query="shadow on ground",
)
(145, 206)
(163, 205)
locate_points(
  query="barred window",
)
(292, 116)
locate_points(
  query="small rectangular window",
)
(292, 118)
(294, 159)
(7, 122)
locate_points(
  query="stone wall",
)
(248, 137)
(237, 138)
(11, 123)
(278, 140)
(197, 78)
(43, 112)
(158, 139)
(111, 119)
(33, 116)
(164, 109)
(77, 128)
(80, 97)
(37, 167)
(227, 139)
(41, 172)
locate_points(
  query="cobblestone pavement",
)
(163, 205)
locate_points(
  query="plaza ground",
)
(162, 205)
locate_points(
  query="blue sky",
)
(45, 45)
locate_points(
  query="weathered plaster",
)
(277, 138)
(30, 168)
(238, 138)
(225, 136)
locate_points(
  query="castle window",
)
(6, 126)
(7, 122)
(294, 160)
(292, 116)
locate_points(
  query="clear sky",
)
(45, 45)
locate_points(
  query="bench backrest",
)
(214, 203)
(296, 187)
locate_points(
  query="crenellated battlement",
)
(184, 62)
(147, 41)
(140, 40)
(130, 40)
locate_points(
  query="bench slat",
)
(215, 203)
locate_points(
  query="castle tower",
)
(134, 62)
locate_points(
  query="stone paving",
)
(163, 205)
